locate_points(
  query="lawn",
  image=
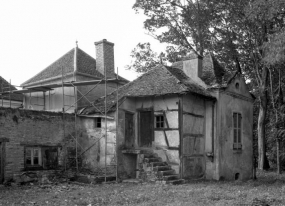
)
(269, 189)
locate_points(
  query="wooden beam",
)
(192, 114)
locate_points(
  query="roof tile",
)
(161, 80)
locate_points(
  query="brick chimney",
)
(105, 57)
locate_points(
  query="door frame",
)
(2, 158)
(139, 123)
(134, 124)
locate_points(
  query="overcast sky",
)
(36, 33)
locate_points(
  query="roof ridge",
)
(23, 84)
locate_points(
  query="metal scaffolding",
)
(74, 84)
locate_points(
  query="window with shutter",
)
(237, 118)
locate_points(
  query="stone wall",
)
(20, 129)
(27, 128)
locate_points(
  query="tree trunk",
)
(261, 120)
(278, 155)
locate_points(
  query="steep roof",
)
(85, 64)
(161, 80)
(5, 86)
(212, 71)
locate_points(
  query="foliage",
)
(275, 48)
(145, 58)
(247, 35)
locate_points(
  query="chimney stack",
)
(193, 68)
(105, 57)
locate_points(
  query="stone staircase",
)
(154, 168)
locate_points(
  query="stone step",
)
(176, 182)
(153, 159)
(166, 172)
(161, 168)
(170, 177)
(155, 164)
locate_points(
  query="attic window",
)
(237, 85)
(98, 122)
(159, 121)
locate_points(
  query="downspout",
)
(213, 129)
(180, 123)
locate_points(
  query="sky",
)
(36, 33)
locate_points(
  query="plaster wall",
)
(95, 139)
(232, 162)
(126, 162)
(210, 139)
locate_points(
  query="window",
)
(33, 156)
(43, 157)
(237, 131)
(159, 121)
(98, 122)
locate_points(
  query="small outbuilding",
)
(182, 122)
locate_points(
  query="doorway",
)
(1, 162)
(145, 128)
(129, 130)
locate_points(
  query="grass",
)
(269, 189)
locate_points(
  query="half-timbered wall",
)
(166, 140)
(193, 136)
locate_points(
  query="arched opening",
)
(237, 85)
(236, 176)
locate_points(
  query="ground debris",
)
(202, 192)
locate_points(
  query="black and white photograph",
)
(142, 102)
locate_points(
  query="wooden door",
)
(145, 128)
(193, 146)
(129, 130)
(1, 162)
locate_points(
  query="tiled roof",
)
(161, 80)
(212, 72)
(5, 86)
(85, 64)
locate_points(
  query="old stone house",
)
(184, 121)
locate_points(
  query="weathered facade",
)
(172, 123)
(47, 139)
(185, 123)
(40, 141)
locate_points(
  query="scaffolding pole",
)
(63, 118)
(76, 100)
(75, 120)
(106, 125)
(117, 124)
(2, 91)
(10, 93)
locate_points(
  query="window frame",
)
(98, 121)
(39, 156)
(159, 122)
(44, 158)
(237, 131)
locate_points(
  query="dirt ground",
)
(269, 189)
